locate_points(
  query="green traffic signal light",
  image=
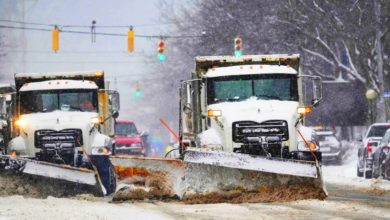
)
(138, 93)
(161, 57)
(237, 53)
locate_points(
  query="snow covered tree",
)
(348, 36)
(337, 39)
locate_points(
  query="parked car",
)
(128, 141)
(368, 146)
(330, 146)
(380, 154)
(386, 167)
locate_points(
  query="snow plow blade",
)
(51, 179)
(212, 177)
(163, 175)
(209, 171)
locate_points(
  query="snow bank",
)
(345, 174)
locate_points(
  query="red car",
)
(128, 141)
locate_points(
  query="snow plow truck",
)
(62, 126)
(241, 127)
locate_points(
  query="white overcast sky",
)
(30, 51)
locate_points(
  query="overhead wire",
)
(62, 30)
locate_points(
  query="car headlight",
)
(136, 145)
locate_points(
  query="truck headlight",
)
(304, 110)
(21, 123)
(97, 120)
(214, 113)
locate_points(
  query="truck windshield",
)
(125, 129)
(266, 86)
(64, 100)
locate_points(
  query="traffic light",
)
(55, 36)
(161, 48)
(138, 92)
(130, 40)
(237, 46)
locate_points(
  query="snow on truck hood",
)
(58, 120)
(257, 110)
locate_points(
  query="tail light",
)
(369, 147)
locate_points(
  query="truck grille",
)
(67, 136)
(243, 130)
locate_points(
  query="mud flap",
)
(213, 171)
(76, 177)
(133, 169)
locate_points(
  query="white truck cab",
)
(251, 104)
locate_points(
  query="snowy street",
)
(350, 197)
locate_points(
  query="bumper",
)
(306, 155)
(330, 156)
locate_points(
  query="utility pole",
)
(381, 108)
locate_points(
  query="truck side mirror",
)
(317, 91)
(144, 134)
(115, 115)
(3, 106)
(115, 100)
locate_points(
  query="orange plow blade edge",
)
(147, 172)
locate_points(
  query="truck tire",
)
(359, 174)
(381, 170)
(368, 175)
(106, 172)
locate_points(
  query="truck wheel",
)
(106, 172)
(368, 175)
(359, 174)
(381, 173)
(111, 185)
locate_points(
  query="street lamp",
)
(371, 95)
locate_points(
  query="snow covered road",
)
(350, 197)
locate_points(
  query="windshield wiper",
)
(77, 108)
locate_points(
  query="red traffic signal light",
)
(161, 49)
(161, 46)
(237, 46)
(237, 43)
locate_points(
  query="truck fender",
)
(18, 144)
(100, 141)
